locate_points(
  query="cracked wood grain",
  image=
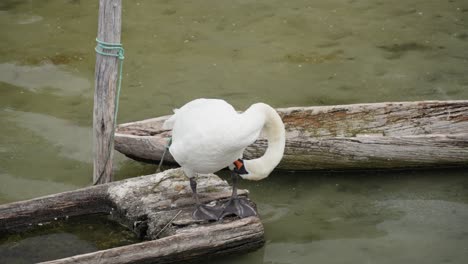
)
(359, 136)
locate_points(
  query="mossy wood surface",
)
(358, 136)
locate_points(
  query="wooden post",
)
(106, 74)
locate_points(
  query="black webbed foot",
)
(238, 206)
(207, 212)
(203, 211)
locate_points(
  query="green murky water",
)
(361, 217)
(285, 53)
(64, 238)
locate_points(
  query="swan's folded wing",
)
(192, 106)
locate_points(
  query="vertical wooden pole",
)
(106, 74)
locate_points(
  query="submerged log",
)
(156, 207)
(358, 136)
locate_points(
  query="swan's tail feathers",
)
(169, 123)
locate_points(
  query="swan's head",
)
(250, 170)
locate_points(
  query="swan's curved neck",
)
(273, 130)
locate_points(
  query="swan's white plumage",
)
(209, 135)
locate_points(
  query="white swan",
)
(209, 135)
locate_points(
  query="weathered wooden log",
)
(359, 136)
(20, 216)
(156, 207)
(191, 243)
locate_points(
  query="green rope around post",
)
(101, 46)
(166, 148)
(100, 49)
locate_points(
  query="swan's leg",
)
(202, 211)
(193, 186)
(237, 205)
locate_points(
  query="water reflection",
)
(15, 188)
(71, 141)
(428, 231)
(20, 19)
(44, 76)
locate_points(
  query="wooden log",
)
(20, 216)
(144, 140)
(359, 136)
(156, 207)
(106, 71)
(192, 243)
